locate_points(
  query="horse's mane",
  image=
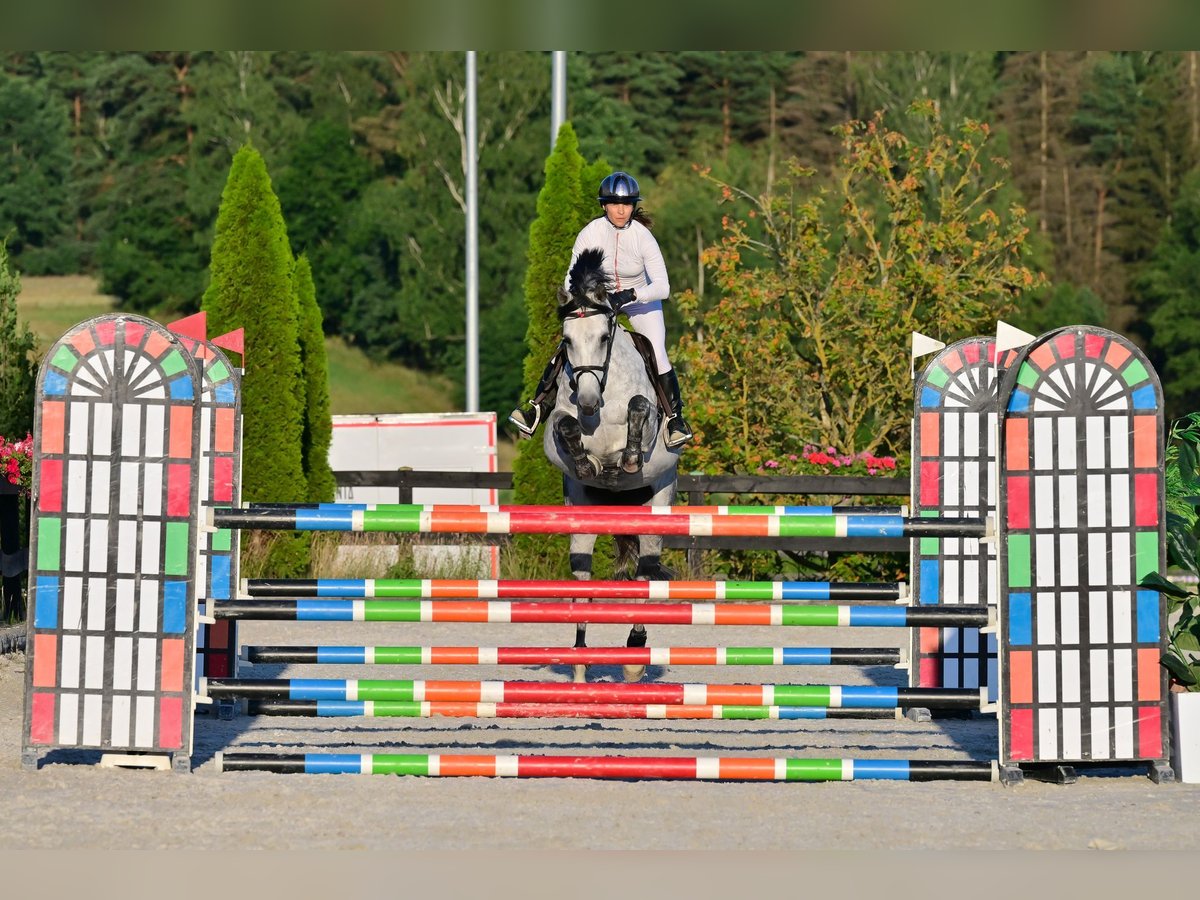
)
(587, 275)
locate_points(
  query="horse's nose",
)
(589, 409)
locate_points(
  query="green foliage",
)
(564, 205)
(917, 246)
(250, 287)
(559, 217)
(1182, 658)
(1170, 286)
(318, 191)
(18, 371)
(1057, 306)
(35, 203)
(318, 424)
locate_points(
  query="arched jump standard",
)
(113, 545)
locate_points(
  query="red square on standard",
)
(1020, 734)
(41, 726)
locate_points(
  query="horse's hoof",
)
(632, 463)
(585, 471)
(580, 674)
(633, 673)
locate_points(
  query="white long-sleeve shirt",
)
(632, 258)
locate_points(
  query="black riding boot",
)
(528, 416)
(678, 430)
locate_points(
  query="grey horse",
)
(606, 433)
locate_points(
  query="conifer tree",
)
(559, 218)
(318, 424)
(250, 287)
(17, 370)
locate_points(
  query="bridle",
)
(581, 308)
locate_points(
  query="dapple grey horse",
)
(606, 433)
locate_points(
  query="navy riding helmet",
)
(619, 187)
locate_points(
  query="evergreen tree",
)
(321, 185)
(1170, 286)
(151, 243)
(17, 368)
(560, 215)
(35, 204)
(820, 96)
(250, 287)
(1105, 124)
(318, 423)
(623, 104)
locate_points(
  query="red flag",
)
(194, 326)
(234, 340)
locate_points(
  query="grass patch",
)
(52, 305)
(359, 386)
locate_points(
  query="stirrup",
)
(678, 432)
(517, 417)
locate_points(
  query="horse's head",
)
(588, 327)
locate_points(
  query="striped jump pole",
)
(677, 768)
(468, 589)
(615, 509)
(828, 696)
(426, 710)
(504, 611)
(585, 656)
(435, 519)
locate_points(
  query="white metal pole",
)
(472, 244)
(558, 92)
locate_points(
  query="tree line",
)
(114, 164)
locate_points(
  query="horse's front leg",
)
(570, 435)
(582, 546)
(649, 568)
(635, 424)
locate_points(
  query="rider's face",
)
(618, 213)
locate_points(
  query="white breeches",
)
(647, 320)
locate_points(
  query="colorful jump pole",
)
(687, 768)
(587, 656)
(435, 519)
(467, 710)
(357, 588)
(612, 510)
(831, 615)
(842, 696)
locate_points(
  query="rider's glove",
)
(622, 298)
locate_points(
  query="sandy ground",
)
(69, 803)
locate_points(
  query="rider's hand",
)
(622, 298)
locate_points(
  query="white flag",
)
(1009, 337)
(922, 345)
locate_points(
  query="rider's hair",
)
(639, 215)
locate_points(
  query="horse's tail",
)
(587, 274)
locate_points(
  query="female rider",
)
(634, 263)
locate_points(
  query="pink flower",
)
(771, 464)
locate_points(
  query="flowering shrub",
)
(815, 461)
(16, 462)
